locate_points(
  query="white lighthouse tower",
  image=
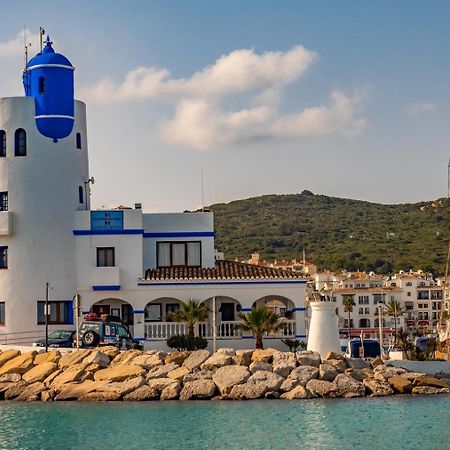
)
(43, 174)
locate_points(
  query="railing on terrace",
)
(225, 330)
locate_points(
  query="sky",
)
(342, 98)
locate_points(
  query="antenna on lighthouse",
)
(203, 190)
(41, 38)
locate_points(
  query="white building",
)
(139, 266)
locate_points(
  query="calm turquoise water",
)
(371, 423)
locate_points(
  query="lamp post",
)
(380, 324)
(76, 307)
(46, 316)
(214, 325)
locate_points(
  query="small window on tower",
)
(3, 201)
(2, 143)
(80, 194)
(41, 85)
(20, 144)
(79, 140)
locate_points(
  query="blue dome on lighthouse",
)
(48, 78)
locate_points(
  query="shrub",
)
(294, 344)
(184, 342)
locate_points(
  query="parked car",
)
(97, 332)
(371, 348)
(57, 338)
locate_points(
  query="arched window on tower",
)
(20, 142)
(2, 143)
(79, 140)
(41, 85)
(80, 194)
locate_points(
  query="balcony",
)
(106, 276)
(6, 228)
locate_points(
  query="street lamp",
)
(46, 312)
(380, 324)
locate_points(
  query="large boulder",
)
(375, 362)
(283, 363)
(243, 357)
(40, 372)
(142, 393)
(400, 384)
(267, 380)
(338, 364)
(119, 373)
(100, 396)
(8, 355)
(228, 376)
(263, 355)
(356, 363)
(110, 351)
(425, 380)
(247, 391)
(217, 360)
(148, 361)
(161, 371)
(15, 390)
(427, 390)
(321, 388)
(74, 357)
(302, 374)
(259, 365)
(334, 355)
(178, 374)
(126, 357)
(327, 372)
(201, 375)
(196, 359)
(31, 393)
(123, 387)
(52, 356)
(161, 383)
(97, 357)
(358, 375)
(349, 387)
(67, 376)
(177, 357)
(299, 392)
(308, 358)
(171, 392)
(378, 388)
(201, 390)
(10, 378)
(383, 373)
(19, 364)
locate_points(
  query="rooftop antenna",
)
(41, 38)
(448, 179)
(203, 191)
(25, 45)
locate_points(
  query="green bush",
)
(294, 344)
(184, 342)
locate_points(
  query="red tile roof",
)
(224, 270)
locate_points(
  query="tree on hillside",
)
(192, 312)
(348, 303)
(260, 320)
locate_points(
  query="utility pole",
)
(46, 316)
(214, 325)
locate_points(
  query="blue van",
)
(371, 348)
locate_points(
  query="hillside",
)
(336, 233)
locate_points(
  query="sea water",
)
(393, 423)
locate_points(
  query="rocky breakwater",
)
(107, 374)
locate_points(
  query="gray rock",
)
(378, 388)
(31, 393)
(217, 360)
(202, 375)
(429, 390)
(123, 387)
(308, 358)
(97, 357)
(357, 363)
(226, 351)
(228, 376)
(383, 372)
(161, 383)
(321, 388)
(303, 374)
(270, 381)
(142, 393)
(256, 366)
(243, 357)
(298, 392)
(283, 363)
(196, 359)
(327, 372)
(171, 392)
(358, 375)
(338, 364)
(10, 378)
(349, 387)
(200, 389)
(161, 371)
(247, 391)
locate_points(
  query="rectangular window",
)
(377, 298)
(2, 143)
(3, 201)
(363, 299)
(360, 311)
(58, 313)
(2, 313)
(3, 257)
(179, 254)
(106, 257)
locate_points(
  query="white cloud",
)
(201, 120)
(421, 107)
(16, 45)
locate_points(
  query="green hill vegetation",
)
(336, 233)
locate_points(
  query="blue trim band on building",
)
(300, 309)
(180, 234)
(199, 283)
(106, 232)
(111, 287)
(246, 309)
(300, 335)
(138, 311)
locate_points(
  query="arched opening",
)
(2, 143)
(20, 142)
(364, 323)
(80, 195)
(283, 306)
(160, 320)
(115, 307)
(78, 139)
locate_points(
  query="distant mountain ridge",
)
(337, 233)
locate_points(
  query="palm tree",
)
(260, 320)
(395, 309)
(348, 303)
(191, 313)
